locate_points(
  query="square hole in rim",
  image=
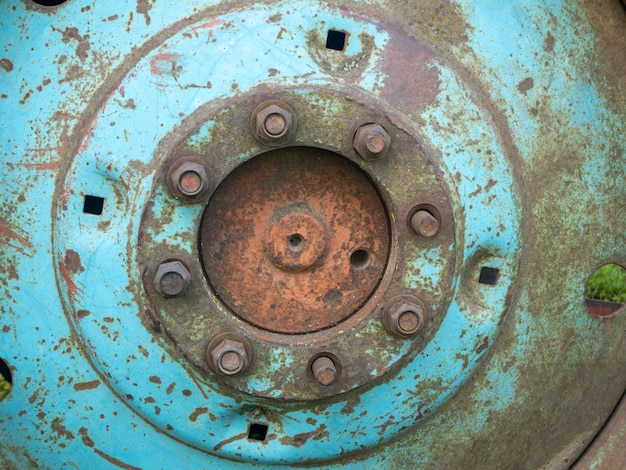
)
(93, 205)
(336, 40)
(257, 431)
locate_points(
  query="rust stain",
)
(72, 34)
(143, 8)
(10, 234)
(197, 412)
(298, 440)
(603, 309)
(26, 96)
(526, 85)
(548, 43)
(163, 62)
(33, 397)
(6, 64)
(210, 24)
(484, 345)
(40, 166)
(82, 313)
(72, 262)
(61, 430)
(115, 461)
(67, 277)
(86, 385)
(85, 437)
(423, 81)
(229, 440)
(290, 245)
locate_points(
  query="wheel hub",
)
(295, 240)
(299, 234)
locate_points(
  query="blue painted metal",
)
(531, 153)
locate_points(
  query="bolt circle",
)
(375, 143)
(408, 322)
(229, 354)
(172, 278)
(274, 122)
(404, 316)
(324, 370)
(424, 223)
(231, 362)
(188, 178)
(190, 183)
(371, 142)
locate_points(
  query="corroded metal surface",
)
(294, 241)
(506, 124)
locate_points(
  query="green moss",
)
(608, 283)
(5, 386)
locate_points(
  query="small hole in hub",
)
(257, 431)
(360, 259)
(295, 242)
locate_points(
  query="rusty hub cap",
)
(301, 240)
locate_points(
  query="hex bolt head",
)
(404, 317)
(424, 223)
(371, 142)
(324, 370)
(273, 122)
(188, 178)
(172, 279)
(229, 354)
(275, 125)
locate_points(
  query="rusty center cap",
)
(284, 236)
(296, 240)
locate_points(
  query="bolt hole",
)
(360, 259)
(49, 3)
(93, 205)
(295, 242)
(606, 290)
(257, 431)
(336, 40)
(488, 275)
(6, 379)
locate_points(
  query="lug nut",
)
(229, 354)
(324, 370)
(273, 122)
(424, 224)
(404, 316)
(371, 142)
(172, 279)
(188, 178)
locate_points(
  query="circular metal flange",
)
(444, 270)
(342, 258)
